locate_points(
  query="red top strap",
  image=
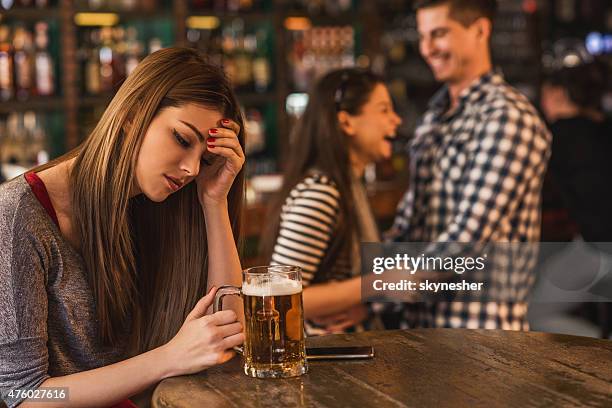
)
(40, 191)
(125, 404)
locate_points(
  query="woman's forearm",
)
(331, 297)
(108, 385)
(223, 262)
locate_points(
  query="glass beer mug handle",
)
(218, 305)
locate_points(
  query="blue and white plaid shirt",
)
(476, 177)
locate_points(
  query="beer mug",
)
(274, 344)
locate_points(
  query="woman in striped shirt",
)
(322, 212)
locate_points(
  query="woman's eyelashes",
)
(180, 139)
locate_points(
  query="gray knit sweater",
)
(47, 312)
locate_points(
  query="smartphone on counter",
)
(339, 353)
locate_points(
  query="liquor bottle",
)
(228, 45)
(318, 50)
(24, 140)
(119, 47)
(347, 46)
(261, 64)
(43, 63)
(133, 51)
(6, 65)
(17, 140)
(255, 129)
(23, 62)
(243, 60)
(212, 42)
(11, 150)
(36, 152)
(298, 63)
(93, 84)
(106, 60)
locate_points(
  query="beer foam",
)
(276, 286)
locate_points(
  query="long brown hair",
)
(319, 143)
(146, 262)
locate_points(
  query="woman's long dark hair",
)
(318, 142)
(147, 262)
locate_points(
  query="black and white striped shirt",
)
(307, 222)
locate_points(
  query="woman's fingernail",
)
(211, 140)
(213, 131)
(225, 121)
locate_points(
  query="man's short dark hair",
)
(585, 84)
(463, 11)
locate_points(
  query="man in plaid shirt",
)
(477, 163)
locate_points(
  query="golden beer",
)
(274, 330)
(274, 321)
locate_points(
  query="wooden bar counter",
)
(420, 368)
